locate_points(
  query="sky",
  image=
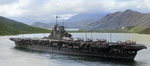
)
(30, 11)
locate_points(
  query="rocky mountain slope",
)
(79, 20)
(121, 19)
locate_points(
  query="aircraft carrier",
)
(60, 41)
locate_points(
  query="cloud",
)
(3, 2)
(14, 9)
(47, 9)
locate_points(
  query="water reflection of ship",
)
(60, 41)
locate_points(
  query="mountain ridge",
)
(120, 19)
(76, 21)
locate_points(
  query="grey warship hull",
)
(63, 47)
(60, 41)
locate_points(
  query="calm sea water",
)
(11, 56)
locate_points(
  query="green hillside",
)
(145, 31)
(11, 27)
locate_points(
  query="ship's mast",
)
(91, 34)
(86, 35)
(63, 23)
(110, 36)
(56, 19)
(110, 32)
